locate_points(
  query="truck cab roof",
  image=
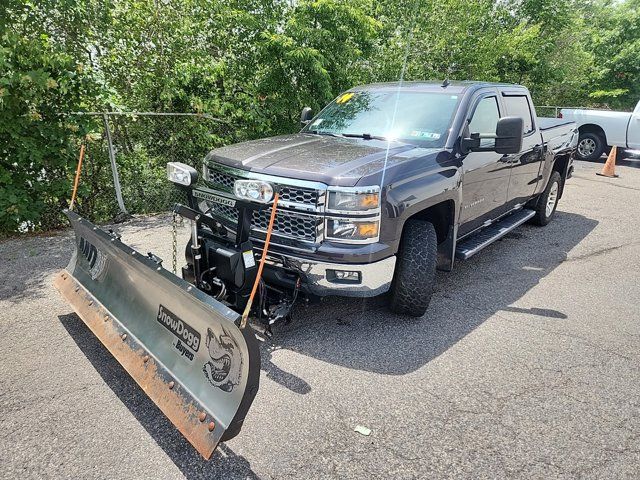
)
(453, 86)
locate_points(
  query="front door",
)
(633, 130)
(485, 175)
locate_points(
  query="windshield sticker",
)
(316, 122)
(425, 135)
(345, 97)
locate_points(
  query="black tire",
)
(591, 146)
(415, 273)
(543, 215)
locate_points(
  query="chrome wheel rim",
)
(586, 147)
(552, 198)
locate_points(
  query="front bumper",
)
(318, 277)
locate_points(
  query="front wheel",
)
(548, 201)
(415, 273)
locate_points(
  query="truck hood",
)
(331, 160)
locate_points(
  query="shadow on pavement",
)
(540, 312)
(224, 463)
(363, 335)
(281, 377)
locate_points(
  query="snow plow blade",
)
(180, 345)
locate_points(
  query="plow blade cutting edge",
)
(180, 345)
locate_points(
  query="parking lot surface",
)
(526, 365)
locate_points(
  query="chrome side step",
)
(472, 245)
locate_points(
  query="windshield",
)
(420, 117)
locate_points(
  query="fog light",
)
(343, 276)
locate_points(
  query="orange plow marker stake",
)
(609, 169)
(77, 178)
(247, 309)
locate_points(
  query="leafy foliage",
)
(615, 43)
(38, 143)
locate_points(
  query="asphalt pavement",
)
(527, 365)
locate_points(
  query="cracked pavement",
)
(527, 365)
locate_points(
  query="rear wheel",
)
(415, 273)
(548, 201)
(591, 146)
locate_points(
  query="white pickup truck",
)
(601, 129)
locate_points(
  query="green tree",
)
(311, 57)
(253, 64)
(615, 42)
(39, 82)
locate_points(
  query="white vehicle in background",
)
(602, 129)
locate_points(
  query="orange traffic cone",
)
(609, 169)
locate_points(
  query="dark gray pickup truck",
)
(387, 183)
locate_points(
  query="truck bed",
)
(545, 123)
(558, 133)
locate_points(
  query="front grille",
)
(287, 223)
(290, 220)
(299, 195)
(222, 180)
(306, 196)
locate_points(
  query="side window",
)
(485, 119)
(518, 106)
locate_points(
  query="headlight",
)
(181, 174)
(351, 230)
(353, 199)
(253, 190)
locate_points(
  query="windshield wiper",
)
(366, 136)
(319, 132)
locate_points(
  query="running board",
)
(469, 247)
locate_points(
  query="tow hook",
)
(281, 311)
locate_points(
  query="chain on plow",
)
(174, 243)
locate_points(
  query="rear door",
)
(524, 166)
(485, 176)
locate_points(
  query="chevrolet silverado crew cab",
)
(601, 129)
(386, 184)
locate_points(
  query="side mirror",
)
(469, 142)
(306, 115)
(509, 135)
(507, 139)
